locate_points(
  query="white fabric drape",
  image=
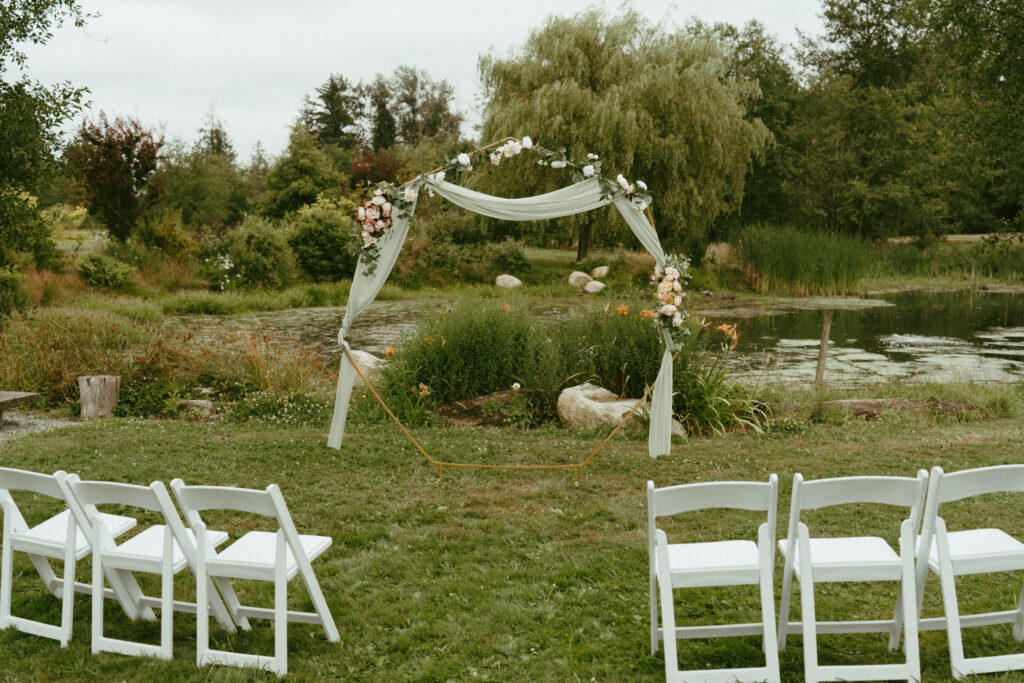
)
(577, 198)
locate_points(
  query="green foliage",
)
(166, 233)
(281, 409)
(203, 184)
(302, 173)
(331, 117)
(112, 162)
(260, 255)
(12, 297)
(100, 270)
(322, 241)
(785, 259)
(653, 105)
(30, 117)
(426, 261)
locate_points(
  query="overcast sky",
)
(170, 62)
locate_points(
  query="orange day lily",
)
(647, 313)
(622, 310)
(506, 307)
(390, 351)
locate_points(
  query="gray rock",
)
(586, 406)
(599, 272)
(507, 281)
(202, 406)
(593, 287)
(578, 278)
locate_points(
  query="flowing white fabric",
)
(577, 198)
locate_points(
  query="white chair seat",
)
(978, 551)
(54, 532)
(717, 563)
(856, 558)
(258, 548)
(148, 547)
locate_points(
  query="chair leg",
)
(668, 612)
(949, 602)
(1018, 623)
(897, 620)
(97, 600)
(202, 606)
(280, 608)
(654, 614)
(167, 598)
(769, 643)
(231, 600)
(787, 596)
(810, 631)
(908, 596)
(68, 590)
(6, 570)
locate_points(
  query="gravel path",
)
(16, 425)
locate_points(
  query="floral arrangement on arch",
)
(671, 284)
(374, 221)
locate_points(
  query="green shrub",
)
(785, 259)
(426, 261)
(103, 271)
(259, 255)
(166, 233)
(323, 244)
(12, 297)
(284, 409)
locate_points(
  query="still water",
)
(910, 336)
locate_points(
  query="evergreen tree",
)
(333, 114)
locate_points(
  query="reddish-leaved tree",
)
(113, 163)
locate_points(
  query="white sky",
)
(169, 62)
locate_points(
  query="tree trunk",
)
(99, 394)
(584, 243)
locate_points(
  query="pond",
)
(909, 336)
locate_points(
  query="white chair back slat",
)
(970, 483)
(199, 498)
(22, 480)
(107, 492)
(897, 491)
(738, 495)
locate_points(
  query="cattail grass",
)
(786, 260)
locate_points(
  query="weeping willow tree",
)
(655, 106)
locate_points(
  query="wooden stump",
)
(99, 394)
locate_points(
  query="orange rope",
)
(442, 464)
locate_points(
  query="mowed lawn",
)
(503, 576)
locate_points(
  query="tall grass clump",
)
(787, 260)
(476, 349)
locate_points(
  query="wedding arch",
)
(385, 225)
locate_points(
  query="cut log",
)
(98, 394)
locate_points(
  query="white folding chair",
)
(56, 538)
(259, 555)
(709, 564)
(852, 559)
(163, 549)
(972, 551)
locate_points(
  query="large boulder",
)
(368, 364)
(593, 287)
(578, 278)
(599, 272)
(586, 406)
(507, 281)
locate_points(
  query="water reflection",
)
(923, 335)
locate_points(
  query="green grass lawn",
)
(487, 575)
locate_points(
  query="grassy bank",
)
(501, 576)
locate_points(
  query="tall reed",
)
(787, 260)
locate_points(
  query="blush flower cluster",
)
(671, 282)
(374, 217)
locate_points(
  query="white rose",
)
(677, 320)
(623, 183)
(386, 209)
(588, 170)
(641, 184)
(365, 234)
(667, 310)
(463, 159)
(527, 142)
(679, 300)
(371, 214)
(361, 214)
(439, 177)
(378, 199)
(495, 158)
(410, 194)
(672, 273)
(557, 164)
(676, 286)
(378, 192)
(371, 240)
